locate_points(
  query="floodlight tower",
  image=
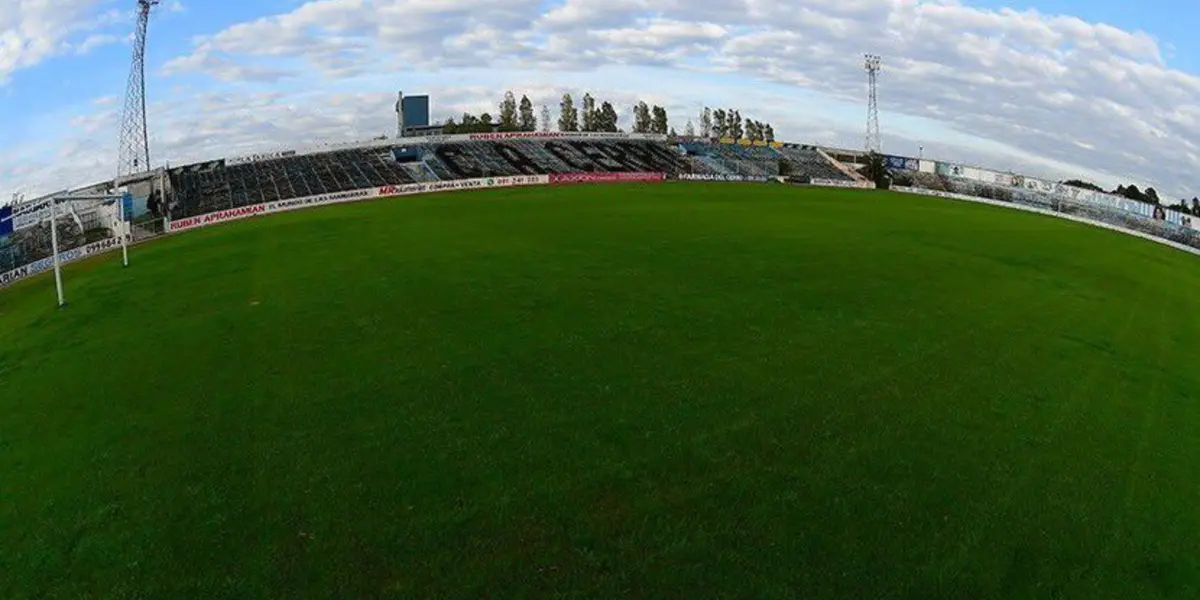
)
(134, 153)
(873, 64)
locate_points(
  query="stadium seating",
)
(808, 162)
(757, 161)
(213, 186)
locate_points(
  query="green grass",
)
(676, 391)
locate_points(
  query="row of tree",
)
(601, 116)
(722, 123)
(519, 115)
(588, 117)
(513, 116)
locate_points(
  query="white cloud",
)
(33, 31)
(93, 41)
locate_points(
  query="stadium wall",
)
(1060, 190)
(1050, 213)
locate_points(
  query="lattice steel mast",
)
(873, 64)
(134, 152)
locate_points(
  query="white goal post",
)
(71, 201)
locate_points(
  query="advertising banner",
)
(949, 169)
(278, 206)
(67, 256)
(842, 183)
(127, 205)
(517, 180)
(221, 216)
(901, 163)
(998, 178)
(335, 198)
(253, 158)
(6, 220)
(604, 177)
(718, 177)
(30, 214)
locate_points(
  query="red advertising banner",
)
(604, 177)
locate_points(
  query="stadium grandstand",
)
(222, 185)
(164, 196)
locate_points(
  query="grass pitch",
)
(674, 391)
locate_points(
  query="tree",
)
(735, 125)
(450, 127)
(672, 134)
(658, 120)
(545, 119)
(768, 133)
(720, 127)
(485, 123)
(508, 112)
(469, 124)
(608, 117)
(589, 113)
(526, 121)
(1087, 185)
(752, 130)
(641, 118)
(689, 130)
(568, 117)
(706, 122)
(876, 171)
(1151, 196)
(1196, 206)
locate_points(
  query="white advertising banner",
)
(31, 213)
(717, 177)
(842, 183)
(67, 256)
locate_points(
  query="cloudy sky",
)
(1107, 90)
